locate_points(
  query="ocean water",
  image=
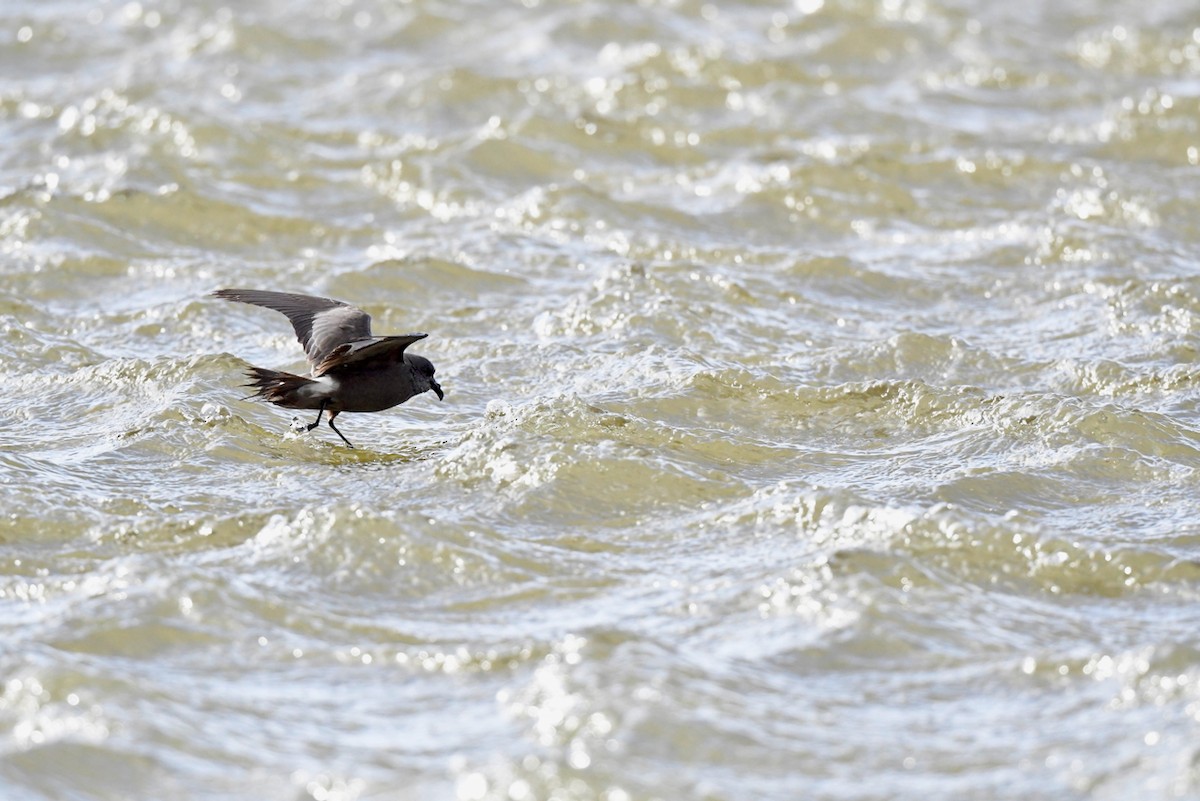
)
(821, 418)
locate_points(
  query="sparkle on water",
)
(821, 414)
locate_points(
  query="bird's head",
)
(423, 369)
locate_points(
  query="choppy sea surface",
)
(821, 420)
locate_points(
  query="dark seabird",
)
(352, 371)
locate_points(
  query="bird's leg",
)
(320, 412)
(339, 433)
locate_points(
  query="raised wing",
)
(322, 325)
(376, 349)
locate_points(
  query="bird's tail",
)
(274, 386)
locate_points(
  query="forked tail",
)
(274, 386)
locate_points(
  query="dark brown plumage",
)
(351, 371)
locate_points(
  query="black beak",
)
(436, 387)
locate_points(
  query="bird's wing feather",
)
(380, 349)
(321, 324)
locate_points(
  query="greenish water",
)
(821, 419)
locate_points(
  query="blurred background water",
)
(821, 420)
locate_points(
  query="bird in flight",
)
(351, 371)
